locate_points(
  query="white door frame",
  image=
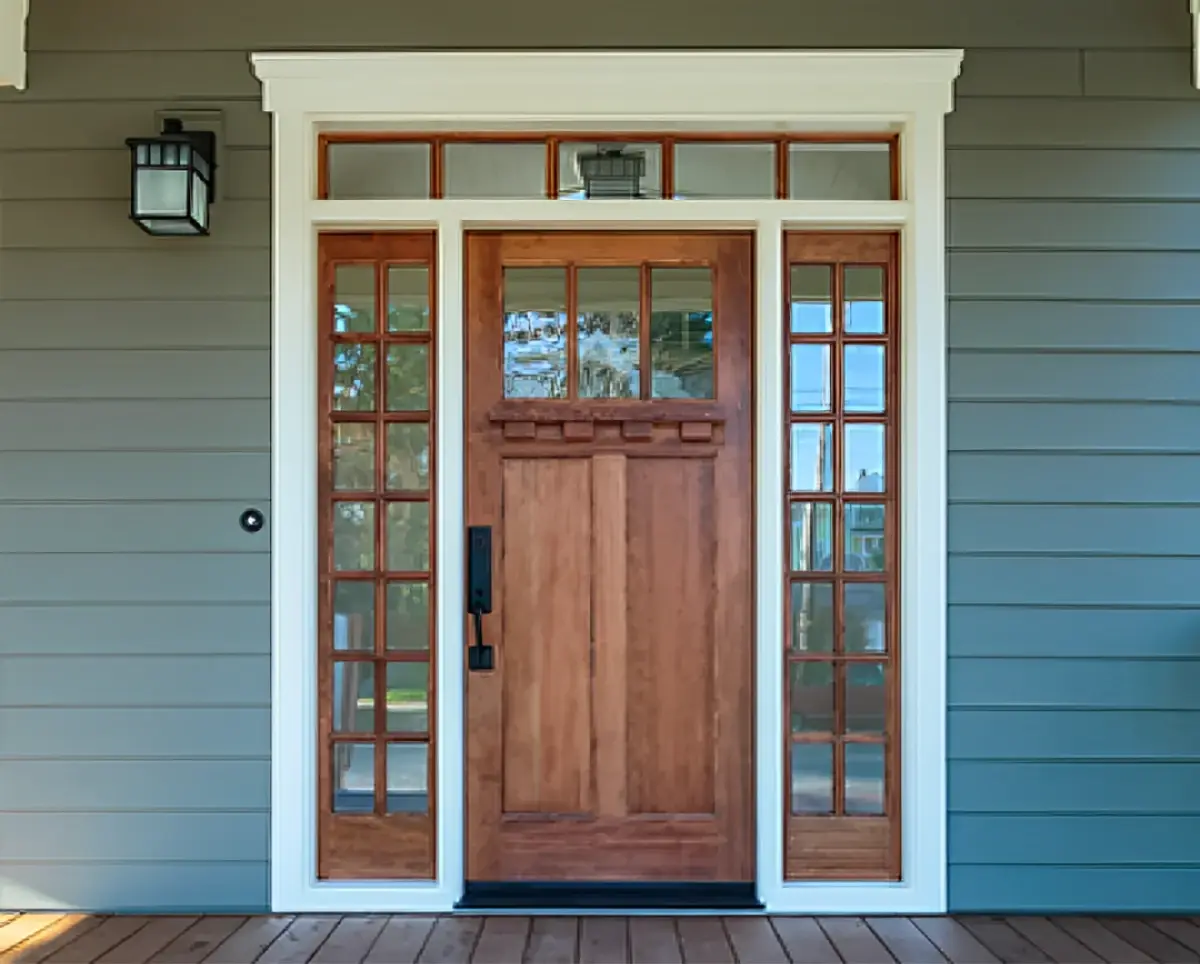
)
(908, 91)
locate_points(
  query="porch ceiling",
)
(13, 17)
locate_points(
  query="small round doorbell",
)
(252, 520)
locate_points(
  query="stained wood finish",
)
(355, 939)
(842, 723)
(613, 739)
(437, 142)
(365, 397)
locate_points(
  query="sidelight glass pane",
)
(407, 536)
(353, 697)
(842, 172)
(864, 612)
(535, 332)
(812, 778)
(866, 697)
(353, 377)
(407, 456)
(811, 387)
(480, 170)
(408, 778)
(354, 536)
(812, 536)
(810, 691)
(408, 616)
(575, 164)
(353, 777)
(407, 378)
(864, 457)
(681, 333)
(812, 299)
(609, 306)
(363, 170)
(408, 298)
(407, 697)
(864, 300)
(812, 457)
(354, 297)
(725, 170)
(865, 778)
(354, 615)
(864, 537)
(863, 379)
(812, 617)
(354, 456)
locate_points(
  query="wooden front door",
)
(609, 451)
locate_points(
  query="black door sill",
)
(608, 895)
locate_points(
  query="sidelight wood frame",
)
(906, 93)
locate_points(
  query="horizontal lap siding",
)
(134, 426)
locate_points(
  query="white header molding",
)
(14, 15)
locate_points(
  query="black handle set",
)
(479, 595)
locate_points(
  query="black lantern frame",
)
(186, 164)
(611, 173)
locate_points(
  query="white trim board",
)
(1195, 4)
(14, 19)
(906, 91)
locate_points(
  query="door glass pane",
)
(863, 384)
(811, 691)
(606, 170)
(399, 170)
(407, 697)
(812, 299)
(812, 457)
(864, 541)
(812, 778)
(353, 777)
(866, 697)
(408, 616)
(408, 456)
(864, 457)
(354, 536)
(811, 387)
(609, 303)
(494, 170)
(812, 617)
(408, 297)
(354, 298)
(843, 172)
(408, 536)
(354, 615)
(864, 300)
(681, 333)
(408, 378)
(408, 778)
(725, 170)
(865, 778)
(864, 611)
(354, 456)
(535, 332)
(353, 697)
(353, 377)
(812, 536)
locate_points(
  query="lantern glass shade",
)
(172, 181)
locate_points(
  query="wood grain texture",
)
(622, 597)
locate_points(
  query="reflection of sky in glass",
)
(864, 317)
(811, 317)
(862, 378)
(864, 452)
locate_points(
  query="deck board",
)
(453, 939)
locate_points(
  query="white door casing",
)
(822, 91)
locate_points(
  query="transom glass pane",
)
(576, 161)
(372, 170)
(843, 172)
(725, 170)
(481, 170)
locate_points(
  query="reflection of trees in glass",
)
(535, 354)
(407, 378)
(608, 354)
(353, 536)
(408, 456)
(408, 536)
(353, 377)
(681, 349)
(353, 456)
(408, 615)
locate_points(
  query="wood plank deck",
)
(362, 939)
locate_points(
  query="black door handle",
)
(479, 594)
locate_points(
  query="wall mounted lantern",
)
(173, 179)
(611, 173)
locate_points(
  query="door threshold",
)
(570, 895)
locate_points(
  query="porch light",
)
(173, 176)
(611, 173)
